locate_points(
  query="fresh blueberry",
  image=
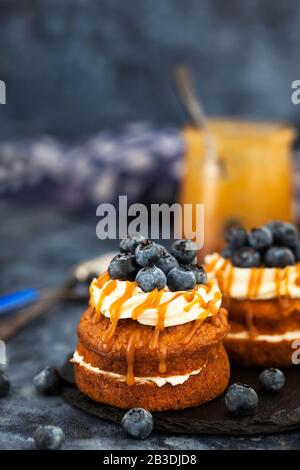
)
(272, 380)
(151, 277)
(200, 274)
(246, 257)
(147, 253)
(181, 278)
(48, 382)
(284, 233)
(48, 437)
(241, 400)
(184, 251)
(279, 257)
(138, 423)
(166, 262)
(296, 251)
(260, 238)
(129, 244)
(227, 252)
(163, 249)
(123, 267)
(236, 236)
(4, 384)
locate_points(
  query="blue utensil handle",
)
(17, 299)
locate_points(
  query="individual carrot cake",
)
(259, 276)
(152, 336)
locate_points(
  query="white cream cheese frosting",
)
(274, 282)
(276, 338)
(159, 381)
(174, 314)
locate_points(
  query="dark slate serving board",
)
(276, 412)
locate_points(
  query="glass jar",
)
(254, 182)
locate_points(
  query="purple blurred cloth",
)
(139, 160)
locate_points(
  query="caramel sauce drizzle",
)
(152, 300)
(135, 342)
(254, 282)
(161, 311)
(277, 280)
(211, 308)
(102, 279)
(196, 324)
(297, 281)
(154, 343)
(286, 281)
(250, 321)
(196, 299)
(225, 284)
(228, 284)
(115, 311)
(211, 266)
(108, 289)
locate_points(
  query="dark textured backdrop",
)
(74, 66)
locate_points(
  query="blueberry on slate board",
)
(129, 244)
(236, 236)
(166, 262)
(284, 233)
(48, 437)
(184, 251)
(151, 277)
(181, 278)
(260, 238)
(138, 423)
(123, 267)
(246, 257)
(147, 253)
(272, 380)
(4, 384)
(241, 400)
(279, 257)
(48, 381)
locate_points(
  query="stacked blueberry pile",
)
(274, 245)
(152, 266)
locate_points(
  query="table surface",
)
(38, 246)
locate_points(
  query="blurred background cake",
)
(258, 273)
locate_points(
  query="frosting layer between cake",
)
(159, 381)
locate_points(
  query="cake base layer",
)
(209, 383)
(263, 332)
(261, 350)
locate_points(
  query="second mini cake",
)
(259, 276)
(152, 335)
